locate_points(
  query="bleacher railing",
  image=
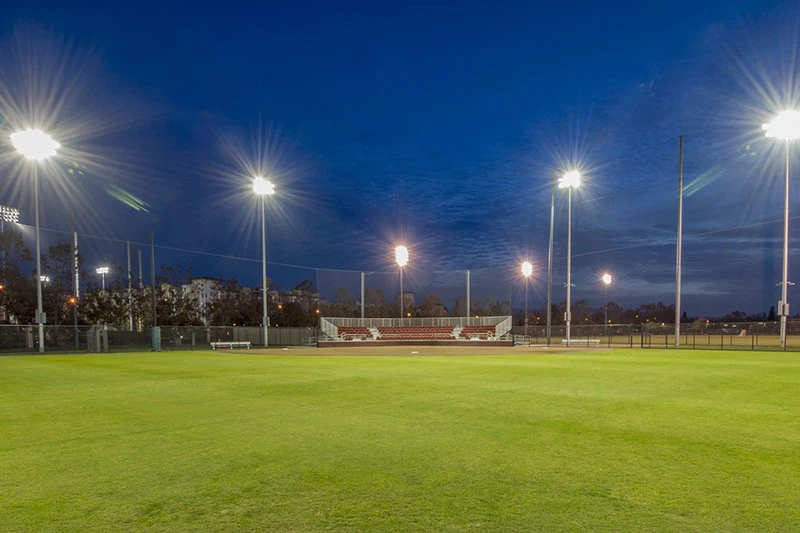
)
(328, 328)
(503, 327)
(417, 321)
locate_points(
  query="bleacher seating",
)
(416, 332)
(350, 333)
(481, 332)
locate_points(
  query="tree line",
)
(234, 305)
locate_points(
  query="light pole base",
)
(155, 338)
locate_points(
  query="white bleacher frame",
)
(330, 325)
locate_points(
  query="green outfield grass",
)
(624, 440)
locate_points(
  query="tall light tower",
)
(550, 258)
(262, 188)
(103, 271)
(401, 256)
(570, 180)
(606, 282)
(785, 126)
(37, 146)
(527, 270)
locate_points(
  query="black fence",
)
(697, 335)
(16, 339)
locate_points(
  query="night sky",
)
(438, 125)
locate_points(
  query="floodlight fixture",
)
(34, 144)
(527, 269)
(401, 255)
(785, 126)
(263, 186)
(607, 278)
(44, 279)
(9, 214)
(571, 180)
(103, 271)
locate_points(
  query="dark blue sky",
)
(438, 124)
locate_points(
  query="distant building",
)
(203, 292)
(409, 300)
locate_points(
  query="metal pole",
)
(130, 294)
(362, 297)
(153, 277)
(605, 320)
(141, 285)
(75, 281)
(550, 258)
(264, 271)
(401, 296)
(568, 314)
(679, 247)
(526, 309)
(784, 307)
(468, 289)
(39, 312)
(103, 282)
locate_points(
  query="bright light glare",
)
(570, 179)
(785, 126)
(44, 279)
(262, 186)
(401, 255)
(102, 270)
(35, 145)
(527, 269)
(607, 279)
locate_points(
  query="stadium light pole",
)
(103, 271)
(401, 256)
(263, 188)
(570, 180)
(550, 258)
(786, 127)
(37, 146)
(527, 270)
(606, 282)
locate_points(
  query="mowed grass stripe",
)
(627, 439)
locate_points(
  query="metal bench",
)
(584, 342)
(230, 344)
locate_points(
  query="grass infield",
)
(615, 440)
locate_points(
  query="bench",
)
(585, 342)
(230, 344)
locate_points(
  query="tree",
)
(18, 295)
(345, 303)
(771, 315)
(684, 317)
(58, 265)
(374, 303)
(736, 316)
(237, 305)
(432, 306)
(459, 307)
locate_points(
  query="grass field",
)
(622, 440)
